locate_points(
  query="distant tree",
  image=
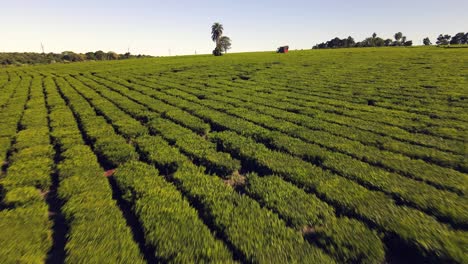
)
(443, 39)
(465, 38)
(427, 42)
(112, 55)
(100, 55)
(379, 42)
(403, 39)
(127, 55)
(408, 43)
(350, 42)
(217, 51)
(458, 38)
(388, 42)
(216, 32)
(225, 43)
(71, 56)
(398, 36)
(374, 35)
(90, 56)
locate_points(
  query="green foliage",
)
(157, 151)
(348, 240)
(22, 197)
(372, 206)
(218, 51)
(21, 58)
(166, 216)
(363, 152)
(26, 235)
(195, 146)
(247, 226)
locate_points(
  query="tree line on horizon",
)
(19, 58)
(399, 40)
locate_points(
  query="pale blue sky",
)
(154, 27)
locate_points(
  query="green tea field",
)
(315, 156)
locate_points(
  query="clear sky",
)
(155, 27)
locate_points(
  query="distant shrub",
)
(217, 51)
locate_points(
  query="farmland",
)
(319, 156)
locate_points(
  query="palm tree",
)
(216, 32)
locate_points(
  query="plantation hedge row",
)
(97, 231)
(240, 220)
(415, 229)
(352, 129)
(155, 105)
(446, 205)
(171, 226)
(103, 137)
(123, 123)
(349, 240)
(204, 152)
(10, 115)
(306, 245)
(452, 180)
(245, 224)
(194, 145)
(134, 179)
(338, 238)
(140, 112)
(24, 223)
(7, 90)
(418, 169)
(342, 100)
(331, 110)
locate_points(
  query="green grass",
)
(317, 156)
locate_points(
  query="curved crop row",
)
(24, 223)
(156, 203)
(393, 183)
(86, 194)
(415, 229)
(335, 125)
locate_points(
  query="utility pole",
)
(42, 47)
(169, 52)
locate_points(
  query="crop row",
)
(11, 115)
(311, 102)
(161, 210)
(97, 231)
(345, 239)
(195, 146)
(289, 240)
(346, 130)
(417, 169)
(7, 91)
(176, 133)
(441, 203)
(293, 88)
(172, 113)
(304, 89)
(415, 229)
(157, 125)
(24, 223)
(319, 111)
(114, 147)
(392, 183)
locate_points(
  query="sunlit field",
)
(318, 156)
